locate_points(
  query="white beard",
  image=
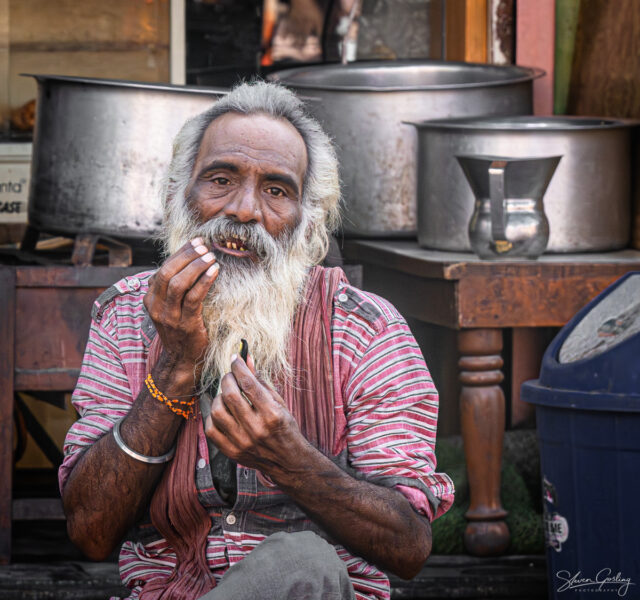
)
(259, 306)
(254, 301)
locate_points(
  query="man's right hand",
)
(174, 302)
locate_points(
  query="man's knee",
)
(287, 566)
(310, 566)
(305, 549)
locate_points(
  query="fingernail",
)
(233, 357)
(196, 242)
(208, 257)
(212, 269)
(201, 249)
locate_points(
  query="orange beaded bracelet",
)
(184, 408)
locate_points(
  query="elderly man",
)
(305, 469)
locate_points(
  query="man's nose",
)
(244, 205)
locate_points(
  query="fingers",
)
(261, 395)
(222, 419)
(235, 400)
(195, 296)
(252, 367)
(251, 364)
(246, 380)
(244, 403)
(180, 271)
(176, 262)
(215, 434)
(224, 430)
(248, 423)
(183, 281)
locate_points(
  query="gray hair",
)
(321, 189)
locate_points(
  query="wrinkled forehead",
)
(257, 137)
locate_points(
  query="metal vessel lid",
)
(122, 83)
(526, 123)
(404, 76)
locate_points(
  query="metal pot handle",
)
(498, 206)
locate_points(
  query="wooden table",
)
(45, 314)
(480, 299)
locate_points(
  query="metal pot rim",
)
(496, 157)
(289, 77)
(527, 123)
(123, 83)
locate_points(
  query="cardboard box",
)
(15, 174)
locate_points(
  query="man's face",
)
(249, 169)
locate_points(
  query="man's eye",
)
(276, 191)
(220, 180)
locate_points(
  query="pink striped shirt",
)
(388, 399)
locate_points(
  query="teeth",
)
(237, 245)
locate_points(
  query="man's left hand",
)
(250, 424)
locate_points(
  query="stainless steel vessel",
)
(100, 150)
(587, 202)
(508, 220)
(364, 106)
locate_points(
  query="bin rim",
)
(552, 371)
(534, 392)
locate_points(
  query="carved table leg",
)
(482, 413)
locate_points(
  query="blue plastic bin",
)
(588, 418)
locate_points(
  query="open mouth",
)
(235, 246)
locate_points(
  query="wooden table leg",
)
(7, 332)
(482, 413)
(528, 346)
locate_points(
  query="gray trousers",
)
(287, 566)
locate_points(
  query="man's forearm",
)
(108, 490)
(372, 521)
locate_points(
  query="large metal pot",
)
(363, 106)
(587, 202)
(100, 150)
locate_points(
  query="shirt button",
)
(343, 298)
(231, 519)
(134, 284)
(202, 463)
(246, 472)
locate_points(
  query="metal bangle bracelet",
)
(151, 460)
